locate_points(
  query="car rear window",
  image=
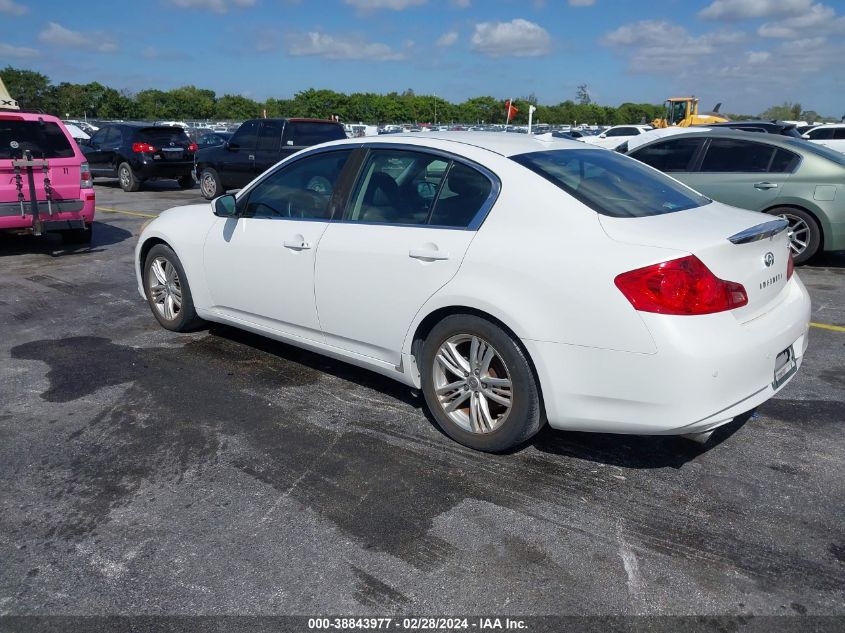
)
(312, 133)
(820, 150)
(43, 139)
(611, 184)
(158, 136)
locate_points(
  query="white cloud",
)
(393, 5)
(581, 3)
(731, 10)
(17, 52)
(12, 8)
(57, 35)
(461, 4)
(447, 39)
(327, 46)
(215, 6)
(517, 38)
(758, 57)
(818, 20)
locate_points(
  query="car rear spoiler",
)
(759, 232)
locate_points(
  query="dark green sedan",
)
(778, 175)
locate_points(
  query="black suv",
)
(136, 152)
(768, 127)
(255, 147)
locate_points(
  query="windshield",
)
(819, 150)
(44, 140)
(611, 184)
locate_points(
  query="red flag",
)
(512, 110)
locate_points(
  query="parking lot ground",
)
(148, 472)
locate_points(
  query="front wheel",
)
(167, 290)
(210, 184)
(128, 180)
(805, 236)
(479, 384)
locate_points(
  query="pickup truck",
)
(257, 145)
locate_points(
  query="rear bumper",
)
(707, 370)
(164, 169)
(67, 214)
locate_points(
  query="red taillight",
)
(790, 266)
(85, 179)
(680, 286)
(142, 147)
(193, 147)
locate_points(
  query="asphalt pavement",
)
(148, 472)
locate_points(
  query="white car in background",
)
(514, 280)
(612, 137)
(829, 135)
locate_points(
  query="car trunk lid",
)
(736, 245)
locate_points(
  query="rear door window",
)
(304, 133)
(461, 198)
(611, 184)
(735, 156)
(670, 156)
(43, 139)
(784, 162)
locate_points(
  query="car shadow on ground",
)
(51, 243)
(628, 451)
(830, 259)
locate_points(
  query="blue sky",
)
(748, 54)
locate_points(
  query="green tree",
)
(236, 107)
(28, 87)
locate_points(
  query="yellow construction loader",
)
(683, 112)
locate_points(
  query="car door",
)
(95, 153)
(260, 264)
(237, 160)
(267, 150)
(406, 228)
(741, 173)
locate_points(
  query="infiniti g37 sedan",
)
(515, 281)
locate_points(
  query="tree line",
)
(95, 101)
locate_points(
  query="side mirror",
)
(806, 136)
(232, 147)
(225, 206)
(602, 135)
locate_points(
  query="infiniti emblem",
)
(769, 259)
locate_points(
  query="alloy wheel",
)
(472, 383)
(125, 177)
(165, 288)
(799, 233)
(209, 185)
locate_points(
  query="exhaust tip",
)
(699, 438)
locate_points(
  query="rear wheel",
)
(479, 385)
(128, 180)
(167, 290)
(210, 184)
(186, 181)
(805, 235)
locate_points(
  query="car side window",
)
(463, 194)
(270, 137)
(112, 137)
(99, 136)
(821, 133)
(300, 190)
(246, 135)
(620, 131)
(730, 155)
(839, 133)
(669, 156)
(784, 162)
(397, 187)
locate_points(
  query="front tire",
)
(479, 384)
(167, 290)
(128, 180)
(805, 235)
(210, 184)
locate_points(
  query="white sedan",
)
(613, 137)
(829, 135)
(515, 280)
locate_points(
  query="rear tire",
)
(167, 290)
(128, 180)
(210, 184)
(805, 235)
(186, 182)
(481, 373)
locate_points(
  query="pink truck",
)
(45, 183)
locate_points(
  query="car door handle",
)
(427, 254)
(296, 245)
(765, 185)
(252, 157)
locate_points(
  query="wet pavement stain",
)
(183, 404)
